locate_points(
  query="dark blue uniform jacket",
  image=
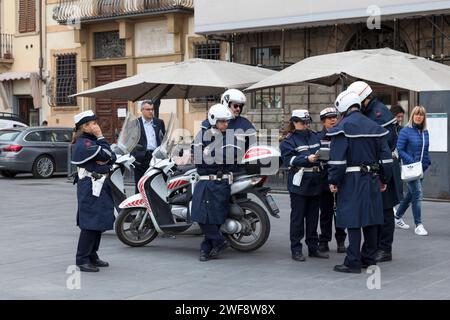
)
(213, 155)
(295, 149)
(94, 213)
(356, 140)
(378, 112)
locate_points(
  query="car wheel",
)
(43, 167)
(8, 174)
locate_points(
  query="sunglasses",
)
(237, 105)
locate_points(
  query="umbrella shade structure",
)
(189, 79)
(385, 66)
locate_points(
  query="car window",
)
(61, 136)
(36, 136)
(8, 135)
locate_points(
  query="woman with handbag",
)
(412, 145)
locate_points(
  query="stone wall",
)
(298, 44)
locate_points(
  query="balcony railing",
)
(86, 10)
(6, 46)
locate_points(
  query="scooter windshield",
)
(167, 143)
(129, 135)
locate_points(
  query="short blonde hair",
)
(418, 110)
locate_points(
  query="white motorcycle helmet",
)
(345, 100)
(233, 95)
(302, 115)
(219, 112)
(362, 89)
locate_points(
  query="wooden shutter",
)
(23, 16)
(27, 16)
(31, 15)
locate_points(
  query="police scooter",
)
(164, 202)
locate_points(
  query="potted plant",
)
(7, 55)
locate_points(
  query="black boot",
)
(383, 256)
(204, 256)
(341, 247)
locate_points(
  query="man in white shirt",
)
(152, 132)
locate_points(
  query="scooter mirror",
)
(181, 152)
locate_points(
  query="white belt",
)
(97, 184)
(83, 173)
(213, 177)
(313, 169)
(357, 169)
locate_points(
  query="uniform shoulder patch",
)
(88, 143)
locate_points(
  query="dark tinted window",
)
(60, 136)
(8, 135)
(36, 136)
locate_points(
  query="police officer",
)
(360, 166)
(328, 116)
(215, 159)
(299, 151)
(93, 157)
(244, 130)
(378, 112)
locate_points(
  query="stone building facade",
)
(413, 36)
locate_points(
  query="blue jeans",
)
(414, 196)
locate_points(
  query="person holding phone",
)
(93, 157)
(300, 152)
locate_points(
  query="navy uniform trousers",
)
(304, 209)
(365, 255)
(213, 236)
(88, 245)
(386, 231)
(327, 217)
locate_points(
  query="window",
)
(35, 136)
(61, 136)
(108, 45)
(27, 16)
(268, 57)
(8, 135)
(66, 79)
(207, 50)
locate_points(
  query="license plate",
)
(272, 204)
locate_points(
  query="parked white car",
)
(10, 120)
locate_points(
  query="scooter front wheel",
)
(134, 227)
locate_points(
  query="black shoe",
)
(298, 256)
(383, 256)
(100, 263)
(216, 251)
(341, 247)
(87, 267)
(318, 254)
(345, 269)
(323, 247)
(204, 256)
(365, 265)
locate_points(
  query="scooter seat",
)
(183, 169)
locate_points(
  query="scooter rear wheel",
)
(256, 229)
(127, 227)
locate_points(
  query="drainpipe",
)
(41, 55)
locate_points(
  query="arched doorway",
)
(389, 37)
